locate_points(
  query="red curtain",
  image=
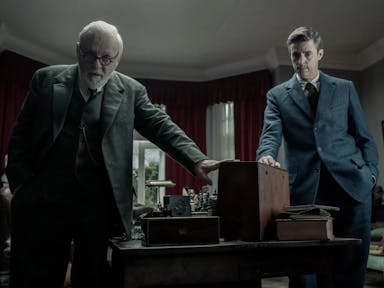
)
(15, 74)
(248, 93)
(186, 104)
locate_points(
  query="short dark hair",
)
(303, 34)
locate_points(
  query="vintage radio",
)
(250, 195)
(163, 231)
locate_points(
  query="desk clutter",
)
(252, 204)
(181, 220)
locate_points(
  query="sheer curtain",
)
(248, 93)
(220, 140)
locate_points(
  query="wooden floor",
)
(374, 279)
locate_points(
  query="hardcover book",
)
(305, 229)
(305, 222)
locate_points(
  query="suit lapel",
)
(327, 90)
(297, 95)
(113, 95)
(62, 93)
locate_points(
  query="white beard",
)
(96, 82)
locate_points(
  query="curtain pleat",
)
(187, 103)
(15, 74)
(248, 93)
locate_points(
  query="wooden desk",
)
(222, 265)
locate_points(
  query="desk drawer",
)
(163, 231)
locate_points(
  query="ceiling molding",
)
(275, 57)
(278, 56)
(3, 34)
(161, 72)
(372, 54)
(33, 51)
(235, 68)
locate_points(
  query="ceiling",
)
(197, 40)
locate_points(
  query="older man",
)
(70, 162)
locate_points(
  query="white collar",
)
(85, 91)
(315, 81)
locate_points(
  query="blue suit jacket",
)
(337, 135)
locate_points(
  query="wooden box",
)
(163, 231)
(250, 195)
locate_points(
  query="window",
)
(220, 135)
(148, 164)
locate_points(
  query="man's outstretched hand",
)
(269, 161)
(202, 169)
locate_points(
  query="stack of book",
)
(305, 222)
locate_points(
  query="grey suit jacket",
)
(125, 106)
(337, 135)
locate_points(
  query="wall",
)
(372, 100)
(370, 86)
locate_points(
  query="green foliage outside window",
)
(151, 173)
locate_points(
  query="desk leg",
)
(325, 281)
(117, 271)
(325, 278)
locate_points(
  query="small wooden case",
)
(250, 195)
(163, 231)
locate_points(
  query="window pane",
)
(151, 161)
(148, 164)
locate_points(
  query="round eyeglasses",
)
(104, 60)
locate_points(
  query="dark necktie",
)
(313, 96)
(92, 93)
